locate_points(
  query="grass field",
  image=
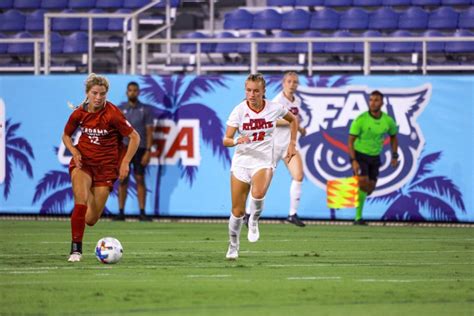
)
(179, 269)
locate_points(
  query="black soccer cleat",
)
(294, 219)
(360, 222)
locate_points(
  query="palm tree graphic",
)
(17, 151)
(437, 196)
(174, 99)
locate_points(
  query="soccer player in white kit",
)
(252, 164)
(292, 102)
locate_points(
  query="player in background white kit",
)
(252, 164)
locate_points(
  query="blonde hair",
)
(290, 73)
(96, 80)
(258, 77)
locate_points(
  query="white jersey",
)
(282, 134)
(259, 127)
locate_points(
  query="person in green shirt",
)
(366, 139)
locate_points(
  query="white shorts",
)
(245, 174)
(279, 153)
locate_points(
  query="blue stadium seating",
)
(3, 47)
(425, 2)
(279, 3)
(57, 43)
(396, 2)
(400, 47)
(303, 46)
(354, 19)
(109, 4)
(239, 19)
(135, 4)
(21, 48)
(456, 2)
(466, 19)
(98, 24)
(432, 47)
(443, 18)
(309, 3)
(12, 20)
(340, 48)
(191, 48)
(367, 3)
(76, 43)
(245, 48)
(162, 4)
(374, 47)
(27, 4)
(460, 47)
(226, 47)
(413, 18)
(267, 19)
(81, 4)
(66, 24)
(6, 4)
(338, 3)
(384, 18)
(54, 4)
(116, 24)
(325, 19)
(283, 48)
(35, 21)
(297, 19)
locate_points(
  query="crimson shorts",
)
(102, 176)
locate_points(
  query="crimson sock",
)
(78, 222)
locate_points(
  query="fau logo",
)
(327, 115)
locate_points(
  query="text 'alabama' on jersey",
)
(259, 127)
(102, 133)
(282, 134)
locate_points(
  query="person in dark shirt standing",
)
(139, 116)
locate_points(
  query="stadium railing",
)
(36, 53)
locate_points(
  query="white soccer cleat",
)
(75, 257)
(253, 234)
(232, 252)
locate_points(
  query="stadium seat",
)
(226, 47)
(374, 47)
(57, 43)
(162, 4)
(367, 3)
(309, 3)
(414, 18)
(98, 24)
(303, 46)
(466, 19)
(6, 4)
(338, 3)
(76, 43)
(81, 4)
(425, 2)
(432, 47)
(325, 19)
(54, 4)
(135, 4)
(443, 18)
(26, 4)
(384, 18)
(280, 3)
(12, 20)
(340, 48)
(191, 48)
(280, 47)
(396, 2)
(239, 19)
(399, 47)
(21, 48)
(297, 19)
(455, 2)
(267, 19)
(245, 48)
(354, 19)
(3, 47)
(460, 47)
(66, 24)
(116, 24)
(109, 4)
(35, 21)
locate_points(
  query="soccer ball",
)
(108, 250)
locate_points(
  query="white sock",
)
(235, 225)
(255, 207)
(295, 195)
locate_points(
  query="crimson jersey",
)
(101, 134)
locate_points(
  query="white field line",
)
(315, 278)
(414, 280)
(208, 275)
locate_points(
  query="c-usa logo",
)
(327, 115)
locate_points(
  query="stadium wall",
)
(189, 175)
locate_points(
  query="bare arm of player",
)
(229, 140)
(394, 146)
(149, 142)
(291, 151)
(76, 154)
(302, 130)
(134, 141)
(354, 163)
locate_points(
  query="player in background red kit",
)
(99, 159)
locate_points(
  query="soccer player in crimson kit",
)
(99, 159)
